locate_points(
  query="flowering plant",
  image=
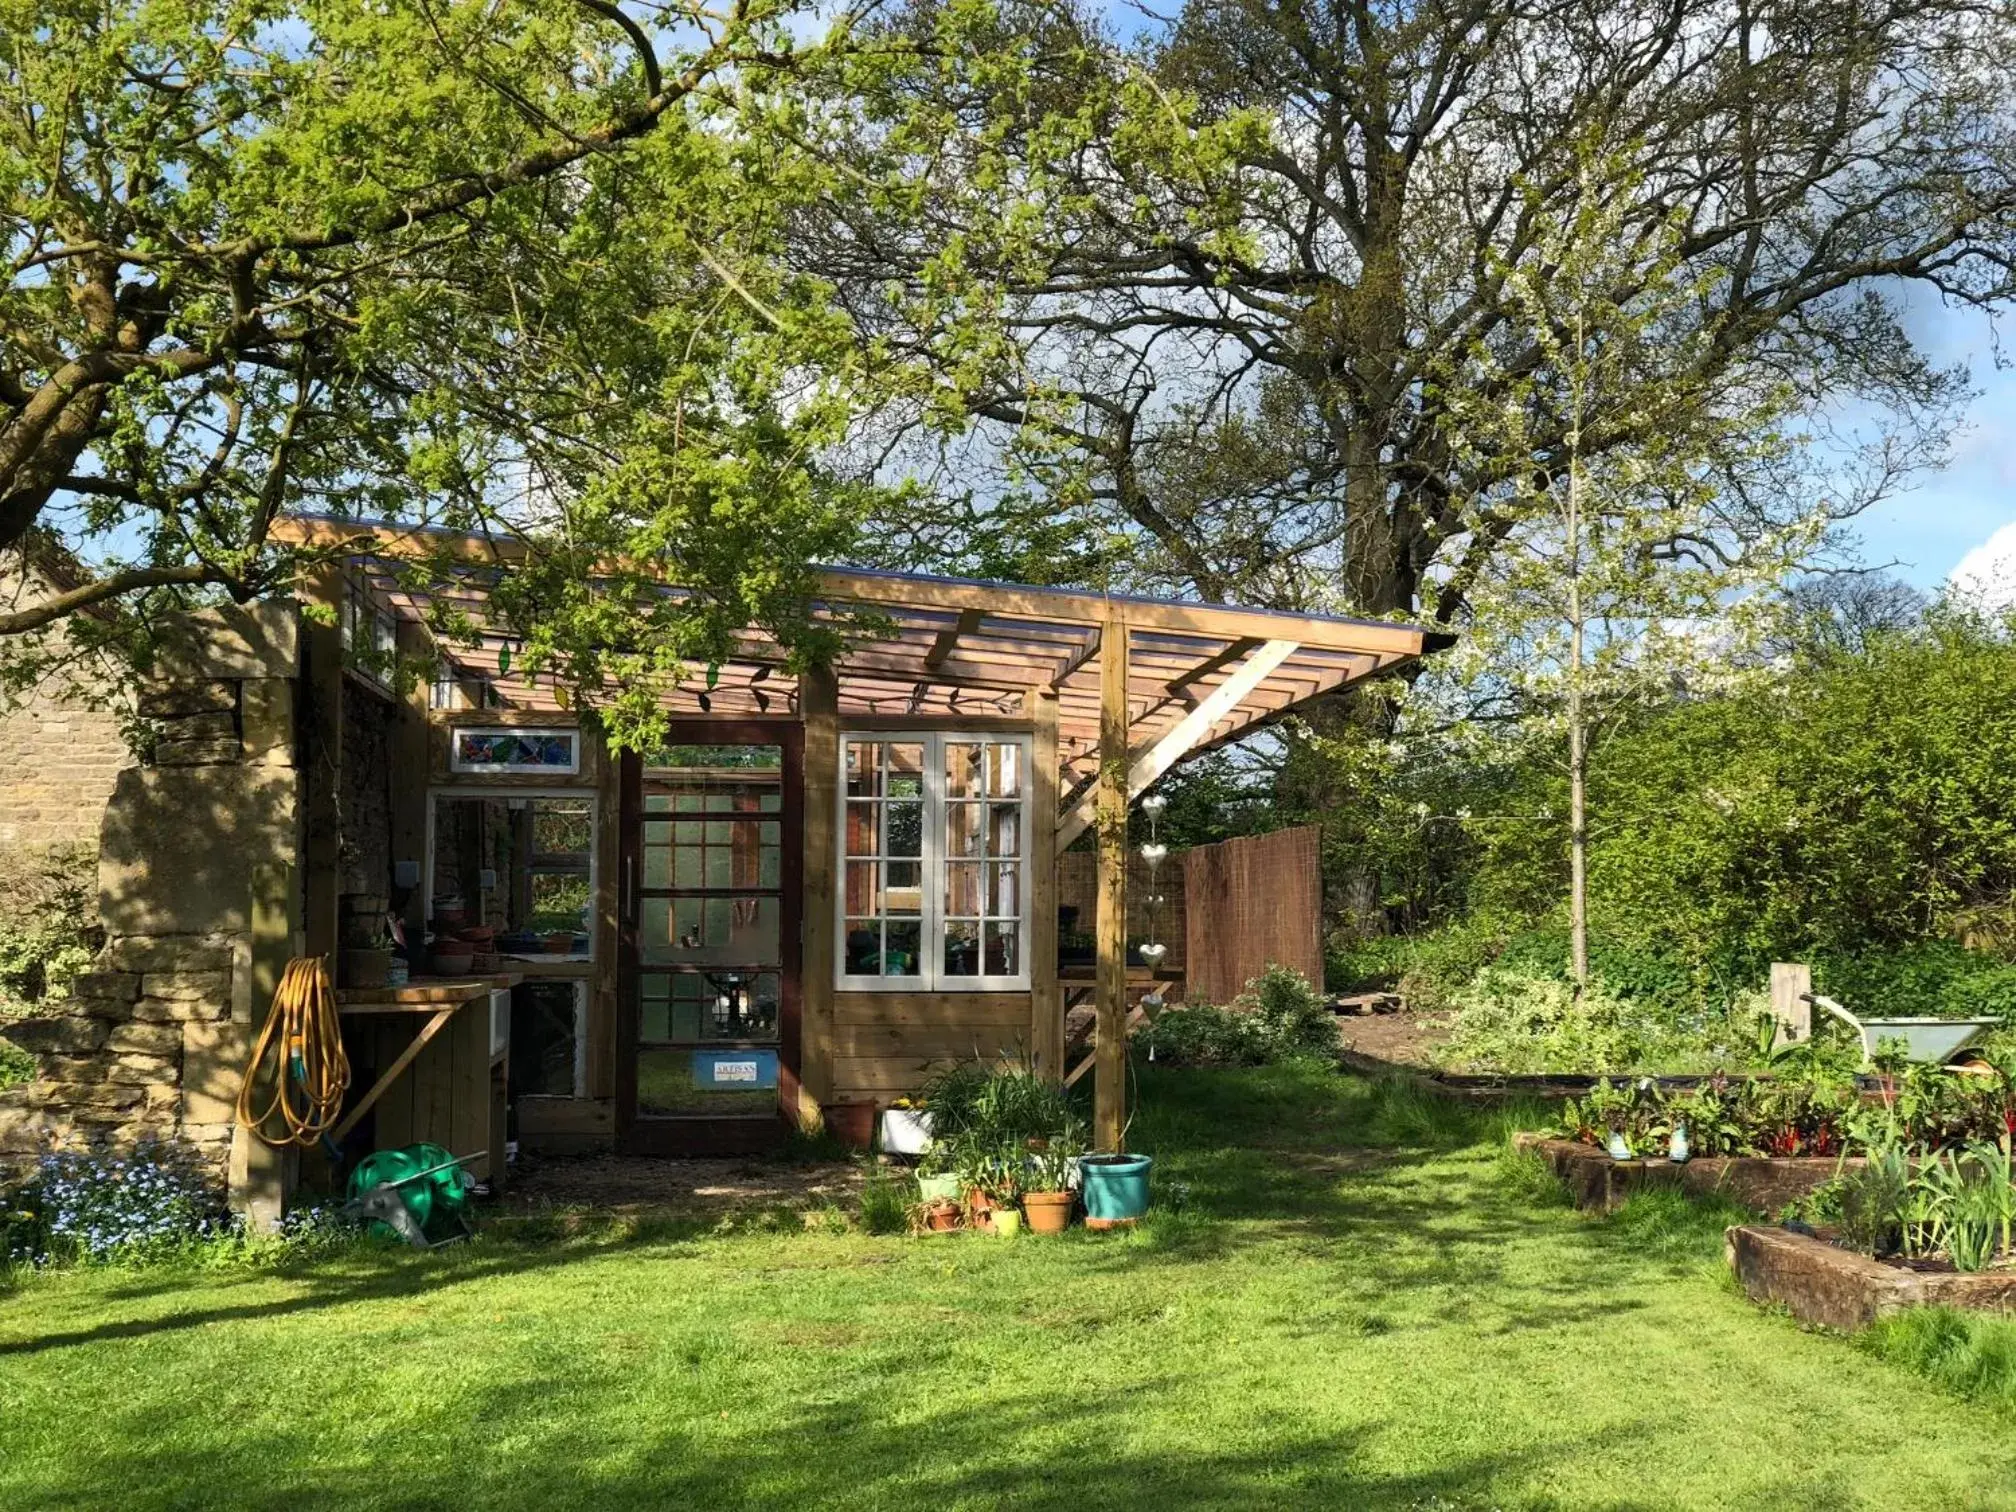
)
(103, 1204)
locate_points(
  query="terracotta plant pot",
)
(852, 1123)
(942, 1216)
(1048, 1212)
(364, 968)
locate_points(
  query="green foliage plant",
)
(1280, 1016)
(885, 1203)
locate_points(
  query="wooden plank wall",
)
(887, 1043)
(1078, 885)
(1250, 902)
(445, 1097)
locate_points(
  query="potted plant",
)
(941, 1215)
(906, 1128)
(992, 1175)
(938, 1174)
(1049, 1198)
(1116, 1189)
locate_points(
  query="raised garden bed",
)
(1764, 1184)
(1818, 1282)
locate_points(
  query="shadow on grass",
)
(1380, 1176)
(1032, 1448)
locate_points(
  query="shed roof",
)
(1199, 674)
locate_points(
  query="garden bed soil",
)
(1404, 1039)
(1821, 1283)
(1764, 1184)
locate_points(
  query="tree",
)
(496, 266)
(1626, 574)
(1224, 261)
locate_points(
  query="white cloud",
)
(1987, 574)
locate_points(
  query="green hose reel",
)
(419, 1193)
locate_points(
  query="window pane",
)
(905, 770)
(1004, 829)
(902, 889)
(654, 1006)
(963, 768)
(864, 769)
(738, 1006)
(686, 862)
(688, 990)
(962, 950)
(709, 931)
(863, 888)
(901, 953)
(962, 829)
(903, 825)
(864, 947)
(685, 1081)
(962, 890)
(1003, 958)
(1004, 771)
(861, 828)
(1004, 890)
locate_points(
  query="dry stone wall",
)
(61, 759)
(150, 1042)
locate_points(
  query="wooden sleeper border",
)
(1764, 1184)
(1823, 1284)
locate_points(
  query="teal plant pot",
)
(1116, 1187)
(935, 1188)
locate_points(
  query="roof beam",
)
(1193, 727)
(1178, 688)
(919, 592)
(1080, 658)
(969, 624)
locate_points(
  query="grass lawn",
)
(1354, 1310)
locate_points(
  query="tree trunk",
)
(1578, 740)
(1578, 838)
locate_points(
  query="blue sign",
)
(734, 1070)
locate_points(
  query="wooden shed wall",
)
(886, 1043)
(1252, 901)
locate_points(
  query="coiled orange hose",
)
(303, 1041)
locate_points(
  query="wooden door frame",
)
(698, 1134)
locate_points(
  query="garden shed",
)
(822, 886)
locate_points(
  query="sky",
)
(1961, 520)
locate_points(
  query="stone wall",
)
(152, 1040)
(61, 759)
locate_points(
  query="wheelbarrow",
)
(1931, 1040)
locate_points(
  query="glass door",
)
(712, 852)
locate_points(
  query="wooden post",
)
(1789, 986)
(605, 990)
(819, 709)
(1109, 1116)
(411, 770)
(322, 758)
(261, 1178)
(1046, 993)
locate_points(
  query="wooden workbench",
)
(432, 1074)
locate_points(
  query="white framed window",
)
(934, 862)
